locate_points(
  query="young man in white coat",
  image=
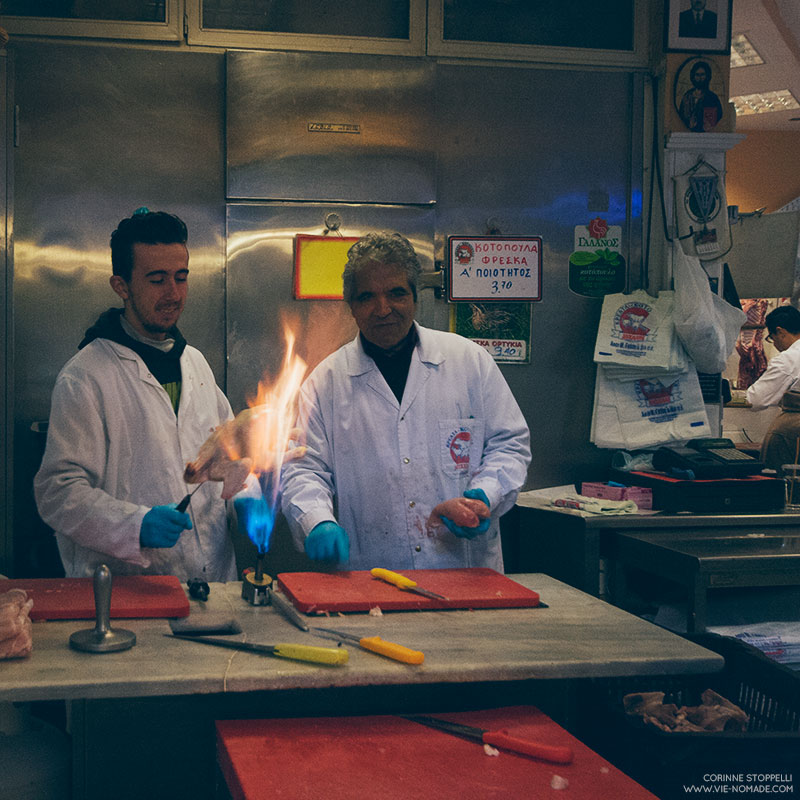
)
(401, 421)
(128, 411)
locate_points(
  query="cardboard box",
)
(642, 496)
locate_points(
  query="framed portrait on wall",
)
(698, 26)
(700, 95)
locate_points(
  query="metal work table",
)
(712, 558)
(147, 713)
(570, 545)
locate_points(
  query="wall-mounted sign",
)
(596, 267)
(318, 265)
(494, 268)
(502, 329)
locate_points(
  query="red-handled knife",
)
(557, 754)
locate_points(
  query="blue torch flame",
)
(256, 515)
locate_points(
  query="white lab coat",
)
(781, 375)
(115, 449)
(388, 464)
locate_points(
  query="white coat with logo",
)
(115, 449)
(385, 465)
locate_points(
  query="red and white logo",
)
(598, 228)
(464, 253)
(459, 445)
(630, 321)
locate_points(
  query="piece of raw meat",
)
(16, 638)
(465, 512)
(236, 449)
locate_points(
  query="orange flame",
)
(258, 441)
(272, 435)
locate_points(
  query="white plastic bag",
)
(648, 411)
(636, 331)
(707, 324)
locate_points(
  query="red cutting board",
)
(341, 758)
(471, 587)
(131, 596)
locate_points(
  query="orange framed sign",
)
(318, 265)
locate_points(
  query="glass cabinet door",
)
(569, 31)
(378, 26)
(110, 19)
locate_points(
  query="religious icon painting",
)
(700, 94)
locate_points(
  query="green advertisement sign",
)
(597, 267)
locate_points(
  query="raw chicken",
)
(235, 449)
(463, 511)
(715, 713)
(16, 638)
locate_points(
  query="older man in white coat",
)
(128, 411)
(404, 424)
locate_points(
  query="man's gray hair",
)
(380, 248)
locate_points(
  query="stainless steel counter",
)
(569, 545)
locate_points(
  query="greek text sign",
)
(596, 267)
(494, 267)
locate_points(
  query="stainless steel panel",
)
(279, 145)
(538, 152)
(260, 296)
(6, 320)
(103, 131)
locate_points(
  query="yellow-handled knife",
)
(296, 652)
(375, 644)
(402, 582)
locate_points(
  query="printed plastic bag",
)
(706, 324)
(636, 331)
(649, 410)
(605, 430)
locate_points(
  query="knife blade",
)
(402, 582)
(557, 754)
(374, 644)
(295, 652)
(287, 610)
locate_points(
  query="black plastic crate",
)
(669, 762)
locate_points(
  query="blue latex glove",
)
(328, 542)
(470, 533)
(162, 526)
(255, 518)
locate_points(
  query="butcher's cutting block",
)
(131, 596)
(384, 757)
(470, 587)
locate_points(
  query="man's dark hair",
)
(786, 317)
(146, 227)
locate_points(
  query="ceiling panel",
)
(773, 28)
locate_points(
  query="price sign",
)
(494, 268)
(508, 351)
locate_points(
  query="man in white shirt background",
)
(780, 386)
